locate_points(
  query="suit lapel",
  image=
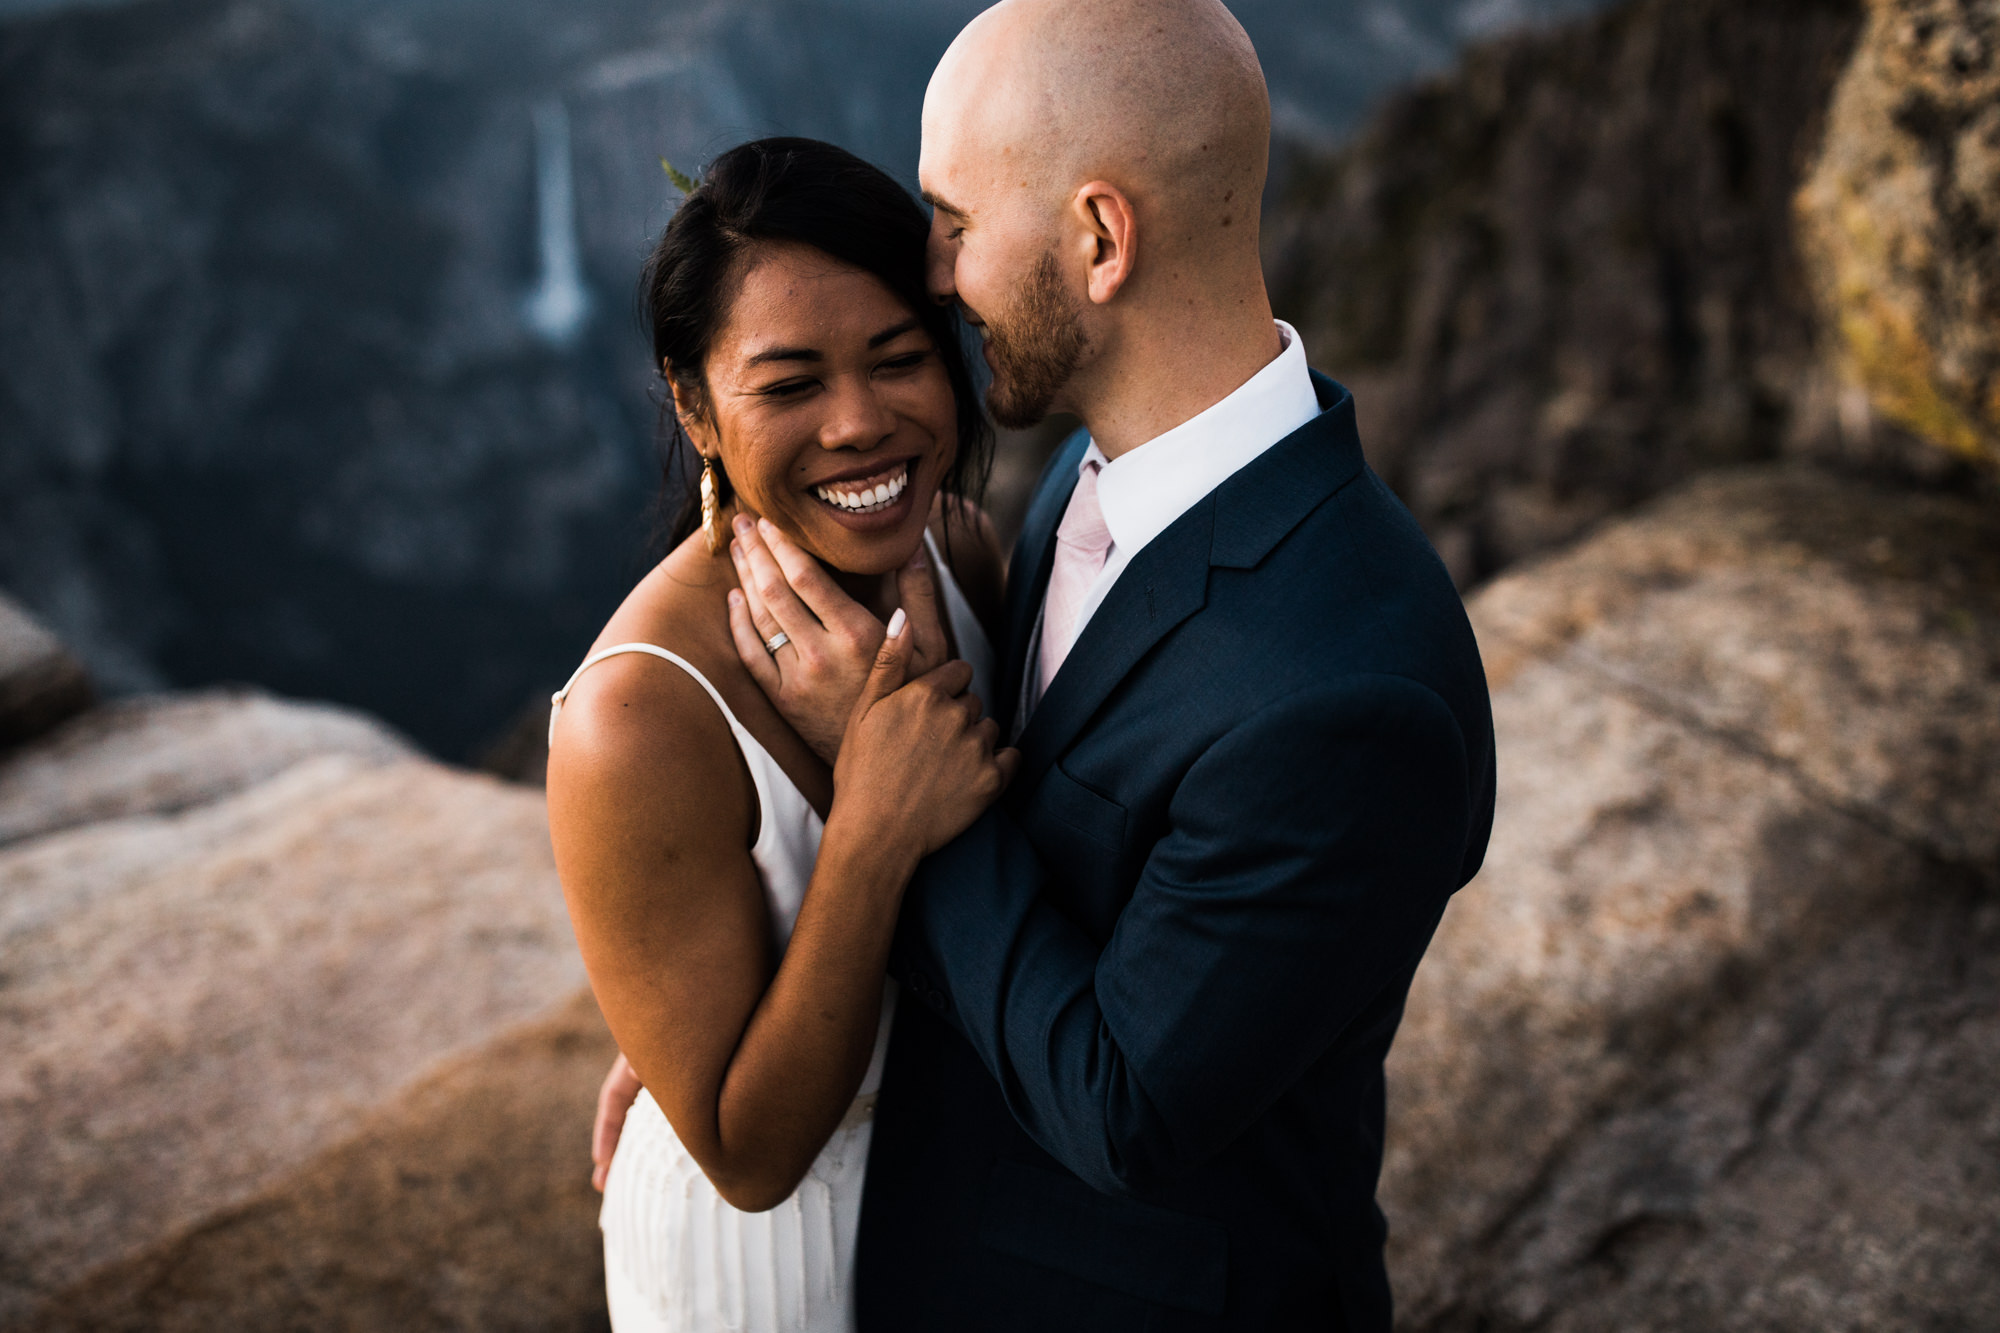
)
(1034, 557)
(1167, 582)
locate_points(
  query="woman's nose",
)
(859, 418)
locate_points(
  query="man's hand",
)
(817, 675)
(614, 1099)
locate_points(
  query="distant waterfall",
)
(558, 306)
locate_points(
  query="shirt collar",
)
(1145, 489)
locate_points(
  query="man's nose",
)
(940, 261)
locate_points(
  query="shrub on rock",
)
(1901, 216)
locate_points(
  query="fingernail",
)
(896, 623)
(765, 526)
(735, 597)
(742, 525)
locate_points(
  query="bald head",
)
(1162, 98)
(1096, 167)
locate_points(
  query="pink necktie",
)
(1083, 544)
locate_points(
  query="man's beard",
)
(1035, 348)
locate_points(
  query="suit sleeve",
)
(1309, 854)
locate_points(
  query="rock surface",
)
(315, 1052)
(40, 683)
(1902, 219)
(165, 753)
(1709, 1043)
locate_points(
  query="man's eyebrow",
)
(941, 206)
(785, 354)
(891, 334)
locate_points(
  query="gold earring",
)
(711, 508)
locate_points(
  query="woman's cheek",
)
(932, 406)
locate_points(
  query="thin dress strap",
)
(556, 699)
(970, 635)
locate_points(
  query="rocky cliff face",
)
(1566, 276)
(1709, 1042)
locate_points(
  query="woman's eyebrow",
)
(771, 354)
(891, 334)
(786, 354)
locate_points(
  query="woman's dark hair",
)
(802, 190)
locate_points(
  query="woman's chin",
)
(875, 541)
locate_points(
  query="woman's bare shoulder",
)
(639, 742)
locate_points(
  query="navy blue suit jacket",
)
(1136, 1076)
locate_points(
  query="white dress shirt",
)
(1145, 489)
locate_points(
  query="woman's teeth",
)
(869, 500)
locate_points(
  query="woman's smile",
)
(877, 497)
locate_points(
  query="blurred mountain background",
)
(319, 366)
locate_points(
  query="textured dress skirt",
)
(678, 1258)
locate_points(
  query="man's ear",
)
(1110, 236)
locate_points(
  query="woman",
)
(729, 888)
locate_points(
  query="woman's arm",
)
(652, 815)
(972, 545)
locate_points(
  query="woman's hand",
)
(917, 762)
(815, 677)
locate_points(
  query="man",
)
(1136, 1079)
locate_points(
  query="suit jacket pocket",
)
(1064, 810)
(1154, 1254)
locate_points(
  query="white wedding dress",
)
(677, 1258)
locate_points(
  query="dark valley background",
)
(319, 363)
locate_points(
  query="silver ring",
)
(776, 641)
